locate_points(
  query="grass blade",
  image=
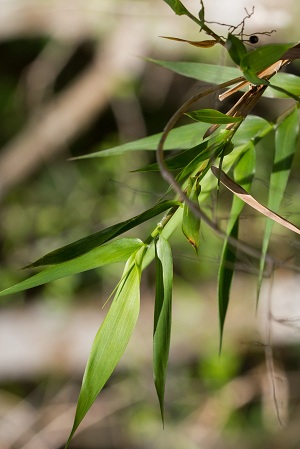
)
(113, 252)
(162, 317)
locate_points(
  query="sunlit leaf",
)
(252, 202)
(162, 316)
(113, 252)
(212, 116)
(110, 342)
(285, 145)
(243, 174)
(191, 223)
(92, 241)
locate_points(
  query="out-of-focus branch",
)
(71, 111)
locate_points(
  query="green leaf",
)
(215, 74)
(92, 241)
(285, 147)
(286, 81)
(235, 48)
(162, 316)
(110, 342)
(180, 161)
(113, 252)
(191, 223)
(212, 116)
(263, 57)
(210, 73)
(177, 7)
(253, 128)
(243, 174)
(179, 138)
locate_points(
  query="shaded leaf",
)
(92, 241)
(247, 198)
(110, 342)
(212, 116)
(113, 252)
(243, 172)
(285, 147)
(162, 316)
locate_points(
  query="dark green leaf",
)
(110, 342)
(235, 48)
(117, 251)
(177, 7)
(162, 316)
(212, 116)
(92, 241)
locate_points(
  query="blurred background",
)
(74, 79)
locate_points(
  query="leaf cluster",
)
(215, 149)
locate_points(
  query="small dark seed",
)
(253, 39)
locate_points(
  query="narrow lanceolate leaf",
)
(212, 116)
(191, 223)
(110, 342)
(243, 173)
(180, 138)
(285, 146)
(162, 317)
(117, 251)
(82, 246)
(252, 202)
(211, 73)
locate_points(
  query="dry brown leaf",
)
(248, 199)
